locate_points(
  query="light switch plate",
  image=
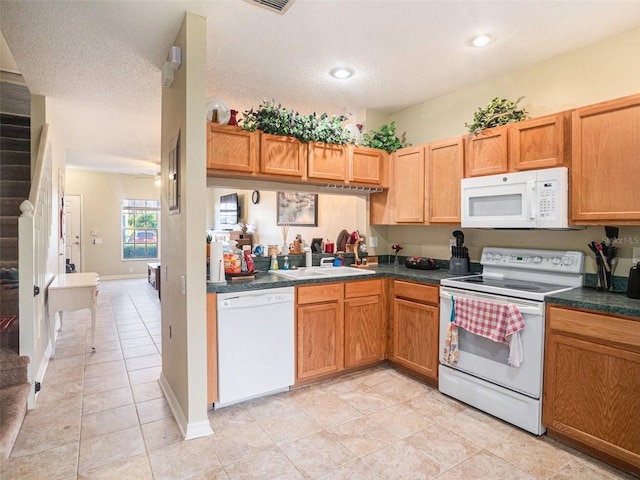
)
(373, 242)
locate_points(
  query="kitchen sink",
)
(309, 273)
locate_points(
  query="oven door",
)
(487, 359)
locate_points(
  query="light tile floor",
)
(102, 415)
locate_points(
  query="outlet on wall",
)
(452, 242)
(130, 269)
(373, 242)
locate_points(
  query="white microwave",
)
(531, 199)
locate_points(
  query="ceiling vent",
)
(279, 6)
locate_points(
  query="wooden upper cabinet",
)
(445, 165)
(605, 164)
(282, 156)
(541, 142)
(327, 161)
(368, 165)
(408, 185)
(487, 152)
(231, 149)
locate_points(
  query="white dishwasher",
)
(255, 344)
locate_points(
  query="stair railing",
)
(34, 239)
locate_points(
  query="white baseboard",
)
(123, 277)
(188, 430)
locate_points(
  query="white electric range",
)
(482, 377)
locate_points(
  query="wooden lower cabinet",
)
(415, 329)
(320, 333)
(319, 330)
(364, 323)
(338, 326)
(592, 384)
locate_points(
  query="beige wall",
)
(599, 72)
(606, 70)
(184, 339)
(335, 213)
(102, 194)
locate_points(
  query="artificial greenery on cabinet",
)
(279, 120)
(499, 111)
(384, 138)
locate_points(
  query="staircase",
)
(15, 182)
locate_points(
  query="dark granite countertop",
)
(267, 280)
(598, 300)
(585, 298)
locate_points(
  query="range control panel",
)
(533, 259)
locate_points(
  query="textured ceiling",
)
(98, 62)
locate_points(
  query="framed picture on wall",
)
(299, 209)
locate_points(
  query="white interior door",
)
(73, 221)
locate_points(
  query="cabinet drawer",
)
(599, 328)
(363, 289)
(319, 293)
(416, 292)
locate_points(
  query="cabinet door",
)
(445, 165)
(605, 171)
(320, 336)
(212, 348)
(367, 165)
(363, 331)
(327, 162)
(539, 143)
(592, 382)
(415, 337)
(487, 152)
(232, 149)
(409, 184)
(282, 156)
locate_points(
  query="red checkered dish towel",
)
(499, 322)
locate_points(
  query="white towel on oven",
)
(515, 350)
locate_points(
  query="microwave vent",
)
(279, 6)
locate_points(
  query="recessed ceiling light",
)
(341, 72)
(481, 41)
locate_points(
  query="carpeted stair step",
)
(8, 248)
(15, 172)
(10, 206)
(16, 158)
(15, 144)
(8, 226)
(15, 131)
(14, 391)
(15, 188)
(13, 408)
(9, 119)
(13, 368)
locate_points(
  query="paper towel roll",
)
(216, 263)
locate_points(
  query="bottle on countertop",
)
(274, 262)
(286, 263)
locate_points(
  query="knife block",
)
(459, 266)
